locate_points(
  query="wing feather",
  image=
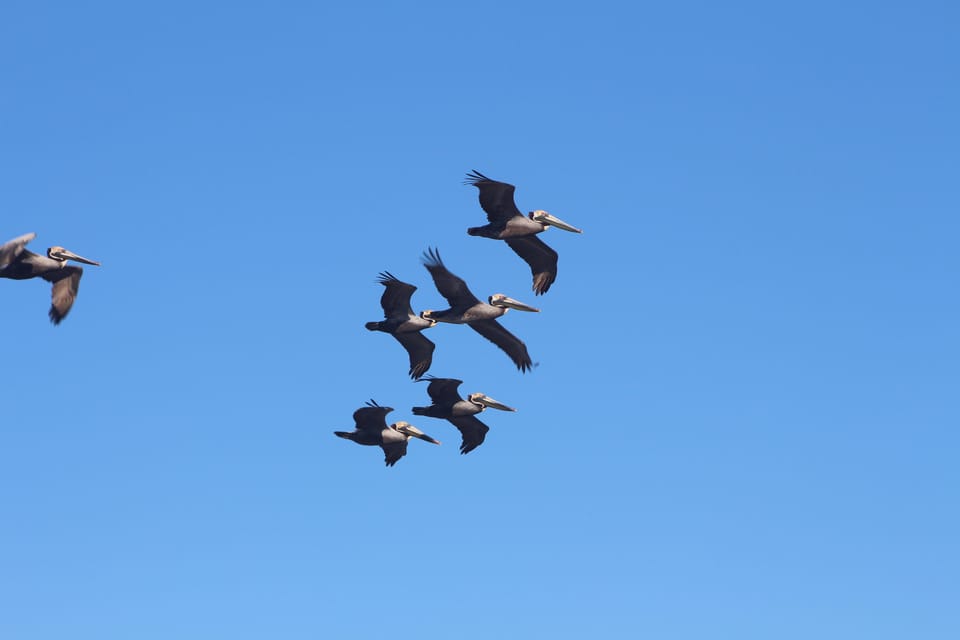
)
(66, 285)
(420, 349)
(541, 258)
(393, 451)
(450, 286)
(511, 344)
(396, 296)
(444, 390)
(472, 430)
(10, 251)
(496, 197)
(371, 418)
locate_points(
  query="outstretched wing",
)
(10, 251)
(450, 286)
(472, 430)
(396, 296)
(511, 344)
(496, 198)
(541, 258)
(444, 390)
(393, 451)
(420, 350)
(371, 418)
(66, 284)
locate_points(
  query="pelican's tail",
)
(483, 232)
(421, 411)
(342, 434)
(374, 326)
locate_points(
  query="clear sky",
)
(744, 422)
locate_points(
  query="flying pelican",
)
(518, 231)
(466, 308)
(448, 404)
(403, 324)
(19, 264)
(372, 429)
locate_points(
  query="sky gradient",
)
(744, 421)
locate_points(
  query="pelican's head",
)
(486, 401)
(548, 221)
(62, 255)
(409, 430)
(502, 301)
(427, 314)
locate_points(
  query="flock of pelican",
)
(505, 222)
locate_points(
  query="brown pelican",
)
(448, 404)
(19, 264)
(518, 231)
(403, 324)
(372, 429)
(466, 308)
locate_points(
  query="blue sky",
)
(744, 420)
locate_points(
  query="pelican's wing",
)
(511, 344)
(371, 418)
(444, 390)
(10, 251)
(396, 296)
(393, 451)
(450, 286)
(420, 348)
(473, 432)
(496, 198)
(66, 284)
(541, 258)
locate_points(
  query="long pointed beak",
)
(411, 430)
(70, 255)
(554, 221)
(487, 401)
(516, 304)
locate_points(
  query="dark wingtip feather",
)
(385, 277)
(431, 258)
(542, 282)
(416, 373)
(474, 177)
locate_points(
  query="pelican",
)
(466, 308)
(403, 324)
(517, 230)
(19, 264)
(372, 429)
(448, 404)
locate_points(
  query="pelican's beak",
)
(545, 218)
(70, 255)
(411, 430)
(510, 303)
(487, 401)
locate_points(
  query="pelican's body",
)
(17, 263)
(372, 430)
(466, 308)
(403, 324)
(448, 405)
(518, 231)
